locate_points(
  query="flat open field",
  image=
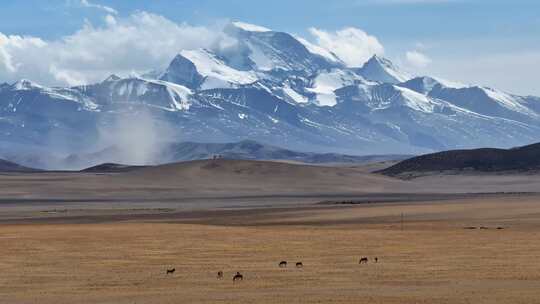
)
(109, 238)
(432, 260)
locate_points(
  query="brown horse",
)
(237, 277)
(363, 260)
(220, 275)
(171, 271)
(283, 264)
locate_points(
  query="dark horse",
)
(283, 264)
(363, 260)
(220, 275)
(171, 271)
(237, 277)
(299, 265)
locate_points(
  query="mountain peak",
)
(248, 27)
(377, 58)
(112, 77)
(25, 84)
(182, 71)
(425, 84)
(382, 70)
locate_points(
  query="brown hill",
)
(256, 177)
(522, 159)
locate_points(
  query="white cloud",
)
(107, 9)
(352, 45)
(13, 55)
(138, 43)
(417, 59)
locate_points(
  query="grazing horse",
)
(299, 265)
(171, 271)
(238, 276)
(376, 259)
(363, 260)
(220, 275)
(283, 264)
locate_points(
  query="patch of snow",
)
(416, 100)
(122, 89)
(383, 70)
(215, 83)
(262, 86)
(506, 100)
(311, 123)
(25, 84)
(250, 27)
(326, 83)
(209, 65)
(317, 50)
(263, 62)
(142, 88)
(242, 115)
(400, 76)
(298, 98)
(179, 94)
(450, 84)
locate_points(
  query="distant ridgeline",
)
(522, 159)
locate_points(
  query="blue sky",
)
(495, 43)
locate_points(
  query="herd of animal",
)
(283, 264)
(482, 227)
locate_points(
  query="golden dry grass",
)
(433, 260)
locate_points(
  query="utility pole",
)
(401, 221)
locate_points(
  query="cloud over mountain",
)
(417, 59)
(141, 42)
(352, 45)
(138, 43)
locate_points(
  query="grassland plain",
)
(432, 260)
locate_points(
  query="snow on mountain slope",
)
(326, 82)
(508, 101)
(416, 101)
(382, 70)
(317, 50)
(486, 101)
(156, 93)
(483, 100)
(425, 84)
(269, 50)
(250, 27)
(532, 103)
(182, 71)
(25, 84)
(213, 68)
(386, 96)
(296, 97)
(426, 122)
(58, 94)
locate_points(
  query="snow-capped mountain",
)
(382, 70)
(274, 88)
